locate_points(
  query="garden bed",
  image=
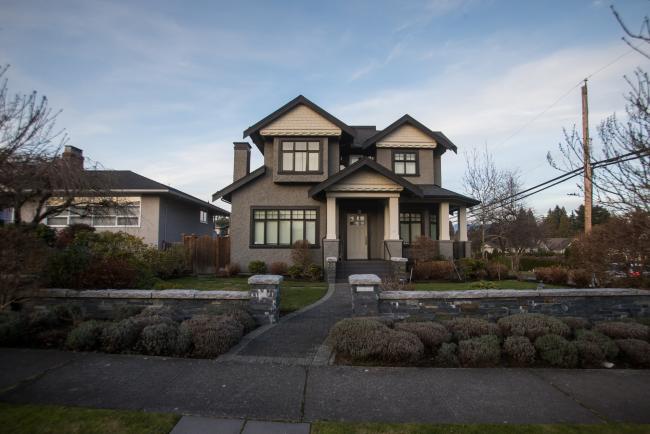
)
(532, 340)
(154, 330)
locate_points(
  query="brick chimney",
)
(73, 156)
(242, 160)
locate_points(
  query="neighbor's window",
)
(126, 215)
(410, 226)
(283, 227)
(301, 156)
(203, 215)
(405, 163)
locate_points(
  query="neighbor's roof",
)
(226, 193)
(557, 243)
(253, 130)
(439, 137)
(370, 164)
(126, 181)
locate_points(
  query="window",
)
(300, 156)
(203, 215)
(283, 227)
(405, 163)
(410, 226)
(433, 226)
(124, 215)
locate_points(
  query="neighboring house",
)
(152, 211)
(555, 245)
(353, 192)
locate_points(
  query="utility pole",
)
(587, 158)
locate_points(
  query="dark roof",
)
(361, 134)
(433, 191)
(253, 130)
(225, 193)
(407, 119)
(125, 181)
(557, 243)
(370, 164)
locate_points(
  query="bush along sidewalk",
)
(521, 340)
(154, 330)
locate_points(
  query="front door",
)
(357, 234)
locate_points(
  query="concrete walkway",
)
(293, 393)
(297, 338)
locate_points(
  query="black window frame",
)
(406, 151)
(409, 221)
(307, 140)
(304, 219)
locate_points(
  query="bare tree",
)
(642, 36)
(32, 171)
(624, 184)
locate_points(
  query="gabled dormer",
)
(300, 142)
(410, 149)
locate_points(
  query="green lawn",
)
(295, 294)
(461, 286)
(383, 428)
(46, 419)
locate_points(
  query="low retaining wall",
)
(594, 304)
(262, 301)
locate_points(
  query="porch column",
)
(443, 220)
(386, 221)
(331, 218)
(462, 224)
(393, 211)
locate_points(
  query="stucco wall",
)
(264, 192)
(178, 217)
(425, 161)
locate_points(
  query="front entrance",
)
(357, 236)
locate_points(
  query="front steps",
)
(374, 266)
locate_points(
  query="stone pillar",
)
(365, 294)
(395, 247)
(398, 267)
(330, 268)
(264, 303)
(331, 218)
(462, 224)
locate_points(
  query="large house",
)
(352, 192)
(155, 212)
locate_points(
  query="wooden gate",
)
(208, 255)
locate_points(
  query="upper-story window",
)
(300, 156)
(405, 162)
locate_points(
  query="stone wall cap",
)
(130, 293)
(364, 279)
(222, 295)
(265, 279)
(92, 293)
(512, 293)
(52, 292)
(398, 259)
(331, 259)
(174, 293)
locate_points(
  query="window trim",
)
(67, 214)
(422, 233)
(207, 216)
(406, 151)
(251, 237)
(280, 162)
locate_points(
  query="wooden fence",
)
(208, 255)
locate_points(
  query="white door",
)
(357, 234)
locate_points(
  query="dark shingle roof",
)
(433, 191)
(226, 193)
(361, 134)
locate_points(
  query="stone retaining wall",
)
(594, 304)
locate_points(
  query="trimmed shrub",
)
(121, 336)
(557, 351)
(402, 347)
(12, 328)
(67, 235)
(590, 354)
(532, 325)
(441, 270)
(580, 277)
(257, 267)
(67, 313)
(480, 352)
(467, 328)
(87, 336)
(126, 311)
(41, 320)
(300, 255)
(520, 350)
(606, 344)
(496, 270)
(483, 284)
(314, 272)
(473, 268)
(555, 275)
(422, 271)
(244, 318)
(213, 335)
(295, 272)
(635, 351)
(575, 323)
(232, 270)
(431, 334)
(447, 355)
(358, 338)
(528, 263)
(279, 268)
(159, 339)
(163, 311)
(623, 330)
(171, 262)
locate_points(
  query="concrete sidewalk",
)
(280, 392)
